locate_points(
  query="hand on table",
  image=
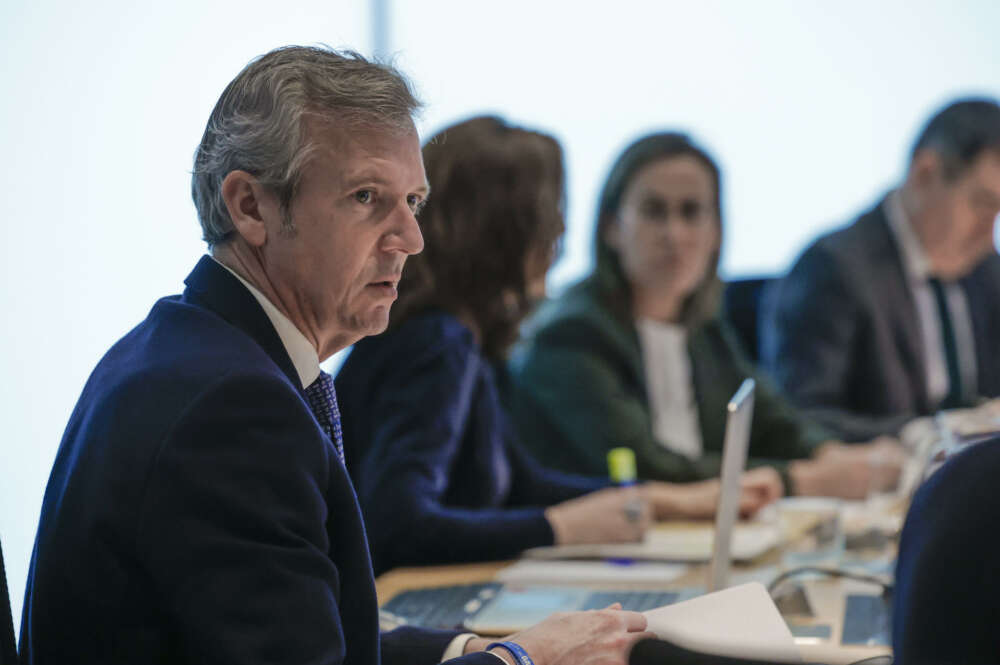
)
(849, 471)
(700, 500)
(761, 486)
(596, 637)
(612, 515)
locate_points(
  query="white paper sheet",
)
(694, 544)
(740, 622)
(541, 571)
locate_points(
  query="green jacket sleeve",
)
(779, 431)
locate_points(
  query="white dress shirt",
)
(303, 354)
(671, 390)
(917, 269)
(306, 361)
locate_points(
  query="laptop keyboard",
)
(449, 606)
(866, 621)
(636, 601)
(440, 607)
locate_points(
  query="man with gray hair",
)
(898, 314)
(199, 509)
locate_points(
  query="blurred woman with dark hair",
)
(438, 471)
(638, 354)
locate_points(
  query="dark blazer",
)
(440, 476)
(841, 333)
(197, 513)
(579, 389)
(947, 595)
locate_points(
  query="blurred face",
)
(667, 229)
(354, 225)
(957, 219)
(535, 269)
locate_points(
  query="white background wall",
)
(810, 108)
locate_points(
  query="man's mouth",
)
(385, 288)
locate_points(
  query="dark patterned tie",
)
(954, 397)
(323, 402)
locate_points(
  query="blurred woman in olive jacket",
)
(638, 354)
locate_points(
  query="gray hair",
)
(257, 124)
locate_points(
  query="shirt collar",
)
(661, 329)
(300, 350)
(914, 258)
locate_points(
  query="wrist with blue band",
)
(521, 656)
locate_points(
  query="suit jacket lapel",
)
(619, 338)
(982, 290)
(626, 340)
(211, 285)
(890, 277)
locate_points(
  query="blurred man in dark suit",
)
(947, 594)
(199, 509)
(898, 314)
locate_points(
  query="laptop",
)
(739, 419)
(499, 609)
(744, 542)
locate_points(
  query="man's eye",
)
(416, 204)
(364, 196)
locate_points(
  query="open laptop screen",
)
(739, 418)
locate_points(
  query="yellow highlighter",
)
(621, 466)
(621, 469)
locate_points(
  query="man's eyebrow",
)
(365, 176)
(374, 177)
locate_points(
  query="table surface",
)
(827, 596)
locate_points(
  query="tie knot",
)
(323, 401)
(320, 392)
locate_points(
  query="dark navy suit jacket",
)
(841, 333)
(947, 597)
(197, 513)
(439, 473)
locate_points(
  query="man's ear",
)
(244, 197)
(925, 169)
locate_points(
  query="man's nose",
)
(405, 235)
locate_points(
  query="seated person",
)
(947, 590)
(898, 314)
(198, 510)
(438, 470)
(638, 355)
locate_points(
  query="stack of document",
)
(690, 544)
(546, 571)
